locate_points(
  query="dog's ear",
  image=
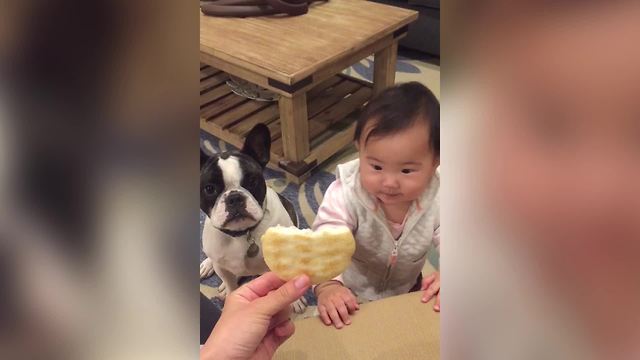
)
(258, 144)
(203, 158)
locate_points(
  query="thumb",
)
(275, 338)
(282, 297)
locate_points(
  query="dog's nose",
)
(235, 199)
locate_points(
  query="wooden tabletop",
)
(399, 327)
(291, 48)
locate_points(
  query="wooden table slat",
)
(239, 113)
(322, 102)
(325, 86)
(341, 110)
(208, 71)
(265, 116)
(224, 104)
(214, 94)
(213, 81)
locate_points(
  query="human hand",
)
(255, 319)
(335, 304)
(431, 288)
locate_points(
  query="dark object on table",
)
(245, 8)
(424, 33)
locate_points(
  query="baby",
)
(389, 199)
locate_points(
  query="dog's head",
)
(232, 185)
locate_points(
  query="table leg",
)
(384, 71)
(295, 126)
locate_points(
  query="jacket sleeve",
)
(436, 237)
(334, 212)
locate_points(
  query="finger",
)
(431, 291)
(427, 296)
(280, 318)
(436, 307)
(272, 340)
(343, 312)
(282, 297)
(259, 287)
(427, 281)
(324, 315)
(355, 302)
(335, 317)
(435, 287)
(285, 330)
(350, 303)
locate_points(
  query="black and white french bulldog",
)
(239, 208)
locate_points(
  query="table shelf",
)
(331, 106)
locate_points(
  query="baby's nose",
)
(390, 181)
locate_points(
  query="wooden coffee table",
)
(301, 59)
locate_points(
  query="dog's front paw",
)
(206, 268)
(299, 306)
(222, 291)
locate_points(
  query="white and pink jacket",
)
(389, 256)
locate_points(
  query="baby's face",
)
(397, 168)
(563, 139)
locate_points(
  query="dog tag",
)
(253, 250)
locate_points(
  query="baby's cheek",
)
(418, 184)
(368, 180)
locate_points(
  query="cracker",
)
(322, 255)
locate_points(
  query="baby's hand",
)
(335, 303)
(431, 288)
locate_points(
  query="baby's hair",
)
(398, 108)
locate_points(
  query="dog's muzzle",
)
(236, 210)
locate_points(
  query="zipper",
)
(393, 258)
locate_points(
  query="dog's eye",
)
(209, 189)
(252, 182)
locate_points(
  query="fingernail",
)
(437, 307)
(424, 299)
(301, 282)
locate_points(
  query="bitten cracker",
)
(322, 255)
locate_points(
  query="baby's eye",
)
(407, 171)
(376, 167)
